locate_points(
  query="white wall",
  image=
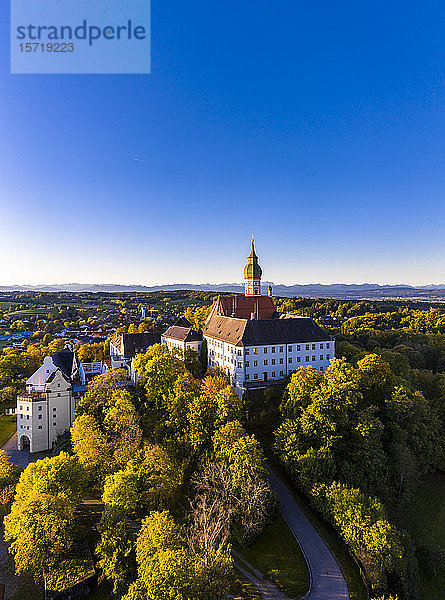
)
(277, 361)
(42, 420)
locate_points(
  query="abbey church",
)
(256, 345)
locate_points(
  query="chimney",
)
(269, 291)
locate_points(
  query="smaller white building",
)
(47, 408)
(43, 415)
(182, 338)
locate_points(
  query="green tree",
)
(91, 447)
(41, 526)
(116, 550)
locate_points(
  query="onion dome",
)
(252, 270)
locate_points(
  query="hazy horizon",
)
(287, 122)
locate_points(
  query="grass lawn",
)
(425, 520)
(8, 425)
(245, 589)
(278, 556)
(101, 592)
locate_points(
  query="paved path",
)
(327, 581)
(267, 589)
(21, 458)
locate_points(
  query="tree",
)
(167, 570)
(362, 523)
(224, 505)
(122, 427)
(150, 480)
(42, 523)
(159, 370)
(13, 368)
(241, 451)
(8, 480)
(100, 392)
(116, 551)
(197, 316)
(91, 447)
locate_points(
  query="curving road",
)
(326, 578)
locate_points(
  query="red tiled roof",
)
(242, 307)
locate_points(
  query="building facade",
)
(47, 408)
(129, 345)
(182, 337)
(257, 347)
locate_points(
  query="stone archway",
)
(24, 442)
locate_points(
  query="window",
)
(247, 363)
(298, 359)
(307, 346)
(239, 365)
(290, 348)
(307, 359)
(313, 358)
(265, 363)
(27, 417)
(39, 427)
(58, 395)
(273, 373)
(298, 348)
(239, 352)
(21, 407)
(255, 351)
(40, 407)
(40, 417)
(58, 385)
(321, 356)
(27, 427)
(327, 357)
(327, 345)
(289, 360)
(321, 369)
(21, 416)
(255, 363)
(273, 349)
(255, 376)
(247, 376)
(54, 424)
(321, 346)
(247, 351)
(281, 348)
(27, 408)
(54, 408)
(281, 361)
(281, 373)
(265, 350)
(273, 361)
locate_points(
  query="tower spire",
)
(252, 273)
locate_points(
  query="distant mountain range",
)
(312, 290)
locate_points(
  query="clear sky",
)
(317, 126)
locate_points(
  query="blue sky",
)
(317, 126)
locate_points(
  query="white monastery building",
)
(256, 346)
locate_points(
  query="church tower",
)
(252, 274)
